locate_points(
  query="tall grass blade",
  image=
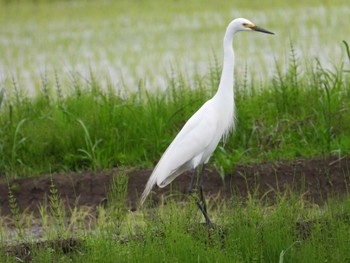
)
(2, 96)
(90, 151)
(16, 143)
(283, 252)
(347, 49)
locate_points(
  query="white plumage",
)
(199, 137)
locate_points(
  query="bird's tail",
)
(151, 182)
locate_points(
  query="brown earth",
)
(315, 180)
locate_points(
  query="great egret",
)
(201, 134)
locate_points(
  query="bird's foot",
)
(201, 203)
(205, 214)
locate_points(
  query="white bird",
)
(199, 137)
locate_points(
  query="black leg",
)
(190, 187)
(201, 176)
(203, 207)
(201, 195)
(201, 200)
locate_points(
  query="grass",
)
(296, 114)
(290, 230)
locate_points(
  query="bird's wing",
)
(190, 142)
(184, 149)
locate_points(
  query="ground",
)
(315, 180)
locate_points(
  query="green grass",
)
(290, 230)
(293, 115)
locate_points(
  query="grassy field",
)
(293, 115)
(290, 230)
(89, 85)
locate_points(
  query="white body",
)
(201, 134)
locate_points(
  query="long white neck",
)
(225, 90)
(224, 97)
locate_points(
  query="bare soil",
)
(315, 180)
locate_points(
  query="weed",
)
(90, 152)
(16, 215)
(57, 211)
(116, 200)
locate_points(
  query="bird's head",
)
(242, 24)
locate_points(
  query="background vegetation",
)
(293, 115)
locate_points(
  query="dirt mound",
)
(315, 179)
